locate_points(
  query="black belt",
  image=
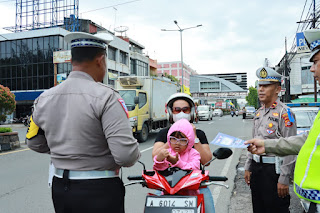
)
(66, 180)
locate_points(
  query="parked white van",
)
(205, 112)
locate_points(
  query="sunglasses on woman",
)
(182, 141)
(177, 110)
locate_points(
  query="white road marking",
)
(211, 122)
(146, 149)
(217, 189)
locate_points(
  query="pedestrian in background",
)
(83, 124)
(269, 176)
(307, 168)
(244, 111)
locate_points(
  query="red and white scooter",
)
(175, 183)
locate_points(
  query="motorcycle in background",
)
(26, 120)
(176, 184)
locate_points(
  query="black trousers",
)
(86, 196)
(264, 190)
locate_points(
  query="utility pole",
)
(181, 30)
(266, 62)
(286, 76)
(314, 20)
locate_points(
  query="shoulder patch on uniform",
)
(285, 115)
(123, 104)
(33, 129)
(288, 123)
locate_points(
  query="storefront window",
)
(26, 64)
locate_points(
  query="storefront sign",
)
(61, 57)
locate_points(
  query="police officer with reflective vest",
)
(268, 175)
(307, 169)
(83, 124)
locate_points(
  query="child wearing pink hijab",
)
(180, 153)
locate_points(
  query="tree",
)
(7, 102)
(171, 77)
(252, 97)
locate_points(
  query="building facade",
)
(211, 89)
(26, 62)
(174, 68)
(301, 79)
(26, 66)
(239, 79)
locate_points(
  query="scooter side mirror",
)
(222, 153)
(144, 166)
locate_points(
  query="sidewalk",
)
(241, 194)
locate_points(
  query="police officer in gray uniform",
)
(269, 176)
(83, 124)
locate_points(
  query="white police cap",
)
(313, 40)
(81, 39)
(268, 75)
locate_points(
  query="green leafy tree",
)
(7, 102)
(252, 97)
(173, 78)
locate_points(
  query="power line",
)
(305, 25)
(109, 6)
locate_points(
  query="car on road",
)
(205, 112)
(217, 112)
(305, 115)
(250, 111)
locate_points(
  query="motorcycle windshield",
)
(174, 175)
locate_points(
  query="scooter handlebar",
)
(218, 178)
(135, 177)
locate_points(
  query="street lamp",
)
(181, 30)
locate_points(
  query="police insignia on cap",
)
(268, 75)
(263, 73)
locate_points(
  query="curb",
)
(241, 194)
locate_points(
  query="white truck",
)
(145, 98)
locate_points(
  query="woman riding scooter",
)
(181, 105)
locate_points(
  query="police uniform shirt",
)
(273, 123)
(85, 126)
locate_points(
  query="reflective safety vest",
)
(307, 170)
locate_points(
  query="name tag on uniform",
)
(273, 119)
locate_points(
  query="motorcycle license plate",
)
(172, 204)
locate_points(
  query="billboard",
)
(302, 46)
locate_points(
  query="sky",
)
(236, 36)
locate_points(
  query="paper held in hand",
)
(228, 141)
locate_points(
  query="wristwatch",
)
(196, 140)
